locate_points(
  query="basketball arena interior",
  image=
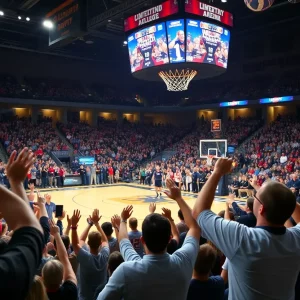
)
(149, 149)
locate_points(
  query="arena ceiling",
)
(105, 41)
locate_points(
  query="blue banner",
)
(276, 99)
(234, 103)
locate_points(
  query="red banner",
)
(163, 10)
(204, 10)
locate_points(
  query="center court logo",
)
(142, 199)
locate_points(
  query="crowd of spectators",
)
(9, 86)
(273, 154)
(163, 260)
(55, 89)
(17, 133)
(124, 146)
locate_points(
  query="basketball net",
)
(178, 80)
(209, 160)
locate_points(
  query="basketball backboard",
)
(217, 148)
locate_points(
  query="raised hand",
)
(152, 207)
(116, 221)
(167, 213)
(95, 218)
(53, 228)
(223, 166)
(69, 220)
(17, 168)
(31, 187)
(75, 218)
(127, 212)
(174, 192)
(230, 199)
(40, 199)
(254, 183)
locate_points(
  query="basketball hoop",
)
(178, 80)
(209, 160)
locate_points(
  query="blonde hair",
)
(37, 291)
(52, 273)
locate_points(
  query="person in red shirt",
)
(51, 172)
(110, 175)
(61, 173)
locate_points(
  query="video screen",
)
(176, 41)
(86, 160)
(148, 48)
(207, 43)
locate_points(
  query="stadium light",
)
(1, 13)
(48, 24)
(223, 1)
(27, 19)
(19, 17)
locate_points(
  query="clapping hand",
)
(40, 199)
(95, 218)
(69, 220)
(54, 229)
(75, 218)
(37, 205)
(116, 221)
(174, 192)
(152, 207)
(230, 199)
(17, 168)
(127, 212)
(223, 166)
(167, 214)
(254, 183)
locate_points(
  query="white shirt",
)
(283, 159)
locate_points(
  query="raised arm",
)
(296, 213)
(167, 214)
(24, 251)
(95, 218)
(206, 196)
(253, 182)
(227, 212)
(125, 215)
(116, 222)
(68, 228)
(75, 241)
(69, 274)
(85, 232)
(17, 169)
(175, 194)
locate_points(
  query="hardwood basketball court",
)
(111, 199)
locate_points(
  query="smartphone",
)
(59, 211)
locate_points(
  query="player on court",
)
(157, 180)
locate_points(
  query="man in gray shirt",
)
(93, 263)
(157, 275)
(264, 261)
